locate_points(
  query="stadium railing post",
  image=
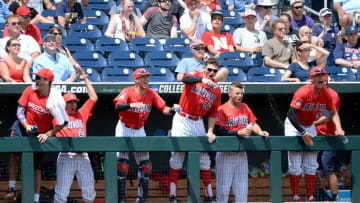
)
(355, 176)
(193, 176)
(110, 177)
(275, 177)
(27, 175)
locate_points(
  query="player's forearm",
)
(321, 120)
(91, 91)
(122, 107)
(168, 111)
(294, 121)
(20, 113)
(257, 129)
(55, 130)
(191, 79)
(220, 130)
(336, 119)
(272, 63)
(211, 124)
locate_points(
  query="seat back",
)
(177, 45)
(93, 75)
(236, 59)
(263, 74)
(78, 44)
(117, 75)
(236, 74)
(96, 17)
(106, 45)
(233, 18)
(145, 44)
(161, 75)
(227, 28)
(90, 59)
(337, 73)
(104, 5)
(161, 59)
(125, 59)
(88, 31)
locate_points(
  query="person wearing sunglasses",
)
(36, 16)
(69, 12)
(298, 17)
(59, 64)
(264, 16)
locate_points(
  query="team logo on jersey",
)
(81, 132)
(308, 107)
(38, 109)
(204, 93)
(75, 124)
(236, 121)
(298, 102)
(147, 108)
(122, 96)
(321, 107)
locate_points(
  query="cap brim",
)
(250, 15)
(326, 14)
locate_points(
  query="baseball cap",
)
(249, 12)
(188, 1)
(196, 42)
(23, 11)
(350, 29)
(48, 36)
(140, 72)
(70, 97)
(45, 73)
(325, 11)
(266, 3)
(295, 1)
(217, 13)
(317, 70)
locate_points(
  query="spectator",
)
(299, 70)
(69, 12)
(7, 3)
(240, 5)
(291, 35)
(347, 10)
(25, 27)
(348, 54)
(209, 5)
(264, 16)
(58, 63)
(116, 9)
(12, 67)
(36, 17)
(276, 52)
(125, 25)
(298, 17)
(175, 8)
(326, 31)
(248, 39)
(186, 65)
(29, 48)
(215, 41)
(305, 35)
(4, 11)
(39, 5)
(161, 24)
(194, 22)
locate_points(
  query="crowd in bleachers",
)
(110, 39)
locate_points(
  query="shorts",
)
(330, 161)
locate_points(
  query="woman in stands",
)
(125, 25)
(12, 67)
(299, 70)
(36, 17)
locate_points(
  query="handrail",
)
(193, 145)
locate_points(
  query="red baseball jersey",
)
(197, 99)
(232, 118)
(77, 122)
(329, 127)
(137, 117)
(221, 42)
(36, 112)
(308, 104)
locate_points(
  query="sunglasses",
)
(199, 48)
(15, 45)
(50, 40)
(56, 33)
(282, 29)
(212, 70)
(39, 78)
(165, 1)
(15, 23)
(307, 33)
(267, 7)
(299, 7)
(27, 16)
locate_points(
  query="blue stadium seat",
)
(177, 45)
(96, 17)
(140, 4)
(232, 18)
(330, 59)
(263, 74)
(90, 59)
(236, 59)
(161, 59)
(104, 5)
(88, 31)
(117, 75)
(44, 28)
(106, 45)
(145, 44)
(337, 73)
(258, 60)
(236, 74)
(358, 75)
(78, 44)
(125, 59)
(48, 12)
(2, 27)
(187, 54)
(93, 75)
(227, 28)
(161, 75)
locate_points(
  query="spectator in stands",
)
(186, 65)
(305, 35)
(348, 54)
(194, 22)
(161, 24)
(40, 5)
(248, 39)
(326, 31)
(215, 41)
(298, 17)
(7, 3)
(58, 63)
(125, 25)
(29, 48)
(209, 5)
(240, 5)
(299, 70)
(347, 10)
(116, 9)
(4, 11)
(175, 8)
(69, 12)
(276, 52)
(264, 16)
(25, 27)
(36, 17)
(291, 35)
(12, 67)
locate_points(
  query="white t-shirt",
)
(203, 24)
(28, 46)
(37, 5)
(249, 39)
(118, 26)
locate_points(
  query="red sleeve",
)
(298, 100)
(194, 73)
(230, 39)
(86, 109)
(206, 38)
(23, 101)
(252, 118)
(216, 104)
(6, 33)
(220, 117)
(122, 98)
(157, 101)
(330, 104)
(36, 33)
(175, 22)
(150, 12)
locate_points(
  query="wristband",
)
(194, 21)
(303, 133)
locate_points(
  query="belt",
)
(126, 125)
(195, 118)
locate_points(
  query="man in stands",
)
(69, 12)
(298, 17)
(264, 16)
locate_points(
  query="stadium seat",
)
(161, 59)
(330, 59)
(145, 44)
(161, 75)
(106, 45)
(104, 5)
(236, 59)
(48, 12)
(258, 60)
(117, 75)
(187, 54)
(88, 31)
(96, 17)
(232, 18)
(78, 44)
(358, 75)
(90, 59)
(236, 74)
(227, 28)
(263, 74)
(337, 73)
(2, 27)
(140, 4)
(93, 75)
(177, 45)
(44, 28)
(125, 59)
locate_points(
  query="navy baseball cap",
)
(217, 13)
(351, 29)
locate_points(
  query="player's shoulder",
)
(151, 91)
(305, 89)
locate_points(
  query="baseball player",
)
(330, 160)
(38, 105)
(72, 163)
(134, 104)
(234, 118)
(307, 101)
(200, 96)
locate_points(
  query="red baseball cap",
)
(45, 73)
(196, 42)
(23, 11)
(70, 97)
(140, 72)
(317, 70)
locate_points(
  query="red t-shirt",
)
(232, 118)
(15, 74)
(77, 122)
(197, 99)
(329, 127)
(36, 112)
(308, 104)
(137, 117)
(31, 30)
(221, 42)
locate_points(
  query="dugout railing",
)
(191, 145)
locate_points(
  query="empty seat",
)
(96, 17)
(337, 73)
(104, 5)
(145, 44)
(227, 28)
(78, 44)
(93, 75)
(88, 31)
(125, 59)
(161, 59)
(90, 59)
(106, 45)
(161, 75)
(177, 45)
(263, 74)
(236, 74)
(117, 75)
(236, 59)
(140, 4)
(232, 18)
